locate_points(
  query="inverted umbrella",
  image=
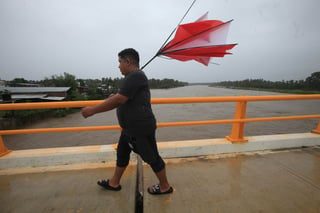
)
(199, 41)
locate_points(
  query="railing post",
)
(3, 148)
(237, 131)
(317, 130)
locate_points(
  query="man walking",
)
(137, 121)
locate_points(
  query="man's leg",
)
(115, 180)
(123, 156)
(146, 147)
(163, 181)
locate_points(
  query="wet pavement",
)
(280, 181)
(66, 191)
(287, 181)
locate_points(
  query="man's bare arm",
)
(113, 101)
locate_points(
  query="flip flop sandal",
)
(155, 190)
(105, 184)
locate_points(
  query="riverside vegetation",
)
(80, 89)
(311, 85)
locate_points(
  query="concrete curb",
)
(53, 157)
(58, 156)
(194, 148)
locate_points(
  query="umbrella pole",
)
(194, 1)
(149, 61)
(158, 53)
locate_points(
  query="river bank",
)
(285, 91)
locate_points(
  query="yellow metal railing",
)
(237, 131)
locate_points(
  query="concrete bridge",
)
(275, 173)
(266, 173)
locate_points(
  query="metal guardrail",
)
(237, 131)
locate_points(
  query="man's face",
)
(124, 65)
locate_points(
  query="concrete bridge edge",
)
(86, 157)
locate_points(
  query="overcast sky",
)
(277, 39)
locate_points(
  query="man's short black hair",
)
(130, 54)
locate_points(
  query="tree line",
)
(311, 83)
(91, 89)
(80, 89)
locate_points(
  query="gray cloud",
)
(278, 40)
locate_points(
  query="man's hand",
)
(87, 112)
(113, 101)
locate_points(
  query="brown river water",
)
(177, 112)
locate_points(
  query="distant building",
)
(23, 85)
(83, 90)
(2, 83)
(21, 94)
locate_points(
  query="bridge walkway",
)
(269, 181)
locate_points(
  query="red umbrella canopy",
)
(199, 41)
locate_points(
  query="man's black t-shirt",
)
(136, 116)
